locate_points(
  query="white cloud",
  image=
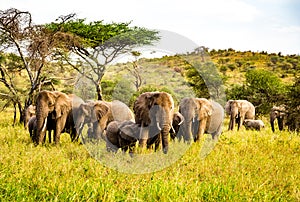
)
(239, 24)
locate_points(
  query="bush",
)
(294, 106)
(262, 88)
(151, 88)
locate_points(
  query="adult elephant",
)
(98, 114)
(154, 113)
(53, 108)
(72, 117)
(239, 110)
(200, 116)
(156, 140)
(279, 113)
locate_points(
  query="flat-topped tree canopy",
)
(96, 44)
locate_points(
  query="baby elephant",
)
(253, 124)
(122, 135)
(32, 127)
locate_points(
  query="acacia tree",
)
(90, 47)
(25, 47)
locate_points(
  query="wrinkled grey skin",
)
(98, 114)
(125, 134)
(29, 112)
(253, 124)
(239, 110)
(122, 135)
(57, 103)
(54, 111)
(32, 127)
(154, 112)
(156, 140)
(200, 116)
(72, 117)
(279, 113)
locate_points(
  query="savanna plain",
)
(243, 166)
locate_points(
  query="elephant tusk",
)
(193, 120)
(173, 130)
(159, 128)
(181, 119)
(81, 125)
(45, 124)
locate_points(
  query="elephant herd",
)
(154, 120)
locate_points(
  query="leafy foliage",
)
(205, 80)
(97, 44)
(294, 106)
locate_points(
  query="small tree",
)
(205, 80)
(30, 47)
(135, 70)
(90, 47)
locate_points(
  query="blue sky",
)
(257, 25)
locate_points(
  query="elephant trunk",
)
(272, 119)
(41, 127)
(186, 131)
(165, 137)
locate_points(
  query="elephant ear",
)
(228, 107)
(239, 105)
(142, 107)
(205, 108)
(151, 99)
(99, 110)
(178, 118)
(129, 131)
(85, 108)
(62, 105)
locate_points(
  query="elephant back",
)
(250, 114)
(121, 112)
(216, 118)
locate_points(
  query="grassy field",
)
(243, 166)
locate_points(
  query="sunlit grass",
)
(243, 166)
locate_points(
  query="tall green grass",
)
(243, 166)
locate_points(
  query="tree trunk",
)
(99, 91)
(21, 112)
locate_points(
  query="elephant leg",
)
(240, 121)
(44, 140)
(215, 135)
(272, 126)
(201, 130)
(57, 133)
(49, 136)
(280, 124)
(144, 133)
(232, 122)
(158, 142)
